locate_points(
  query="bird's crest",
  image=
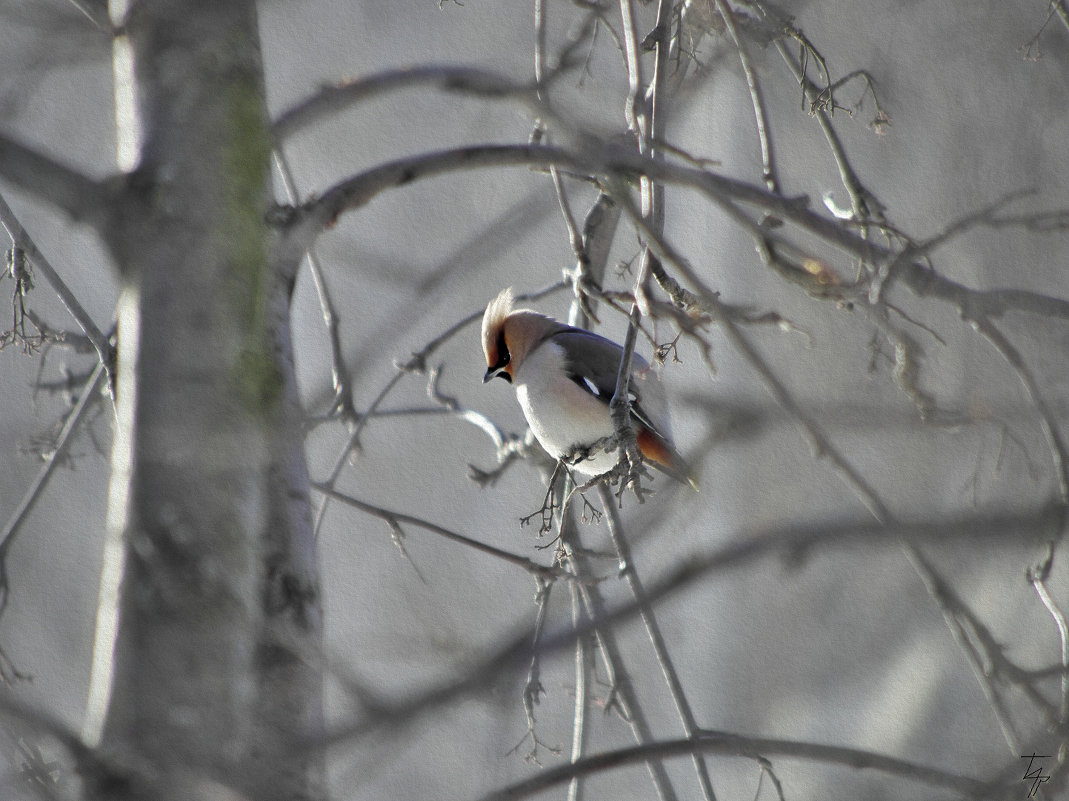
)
(493, 320)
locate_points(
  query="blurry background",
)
(846, 646)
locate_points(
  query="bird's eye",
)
(503, 355)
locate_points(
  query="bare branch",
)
(335, 98)
(756, 748)
(90, 395)
(21, 239)
(597, 623)
(792, 544)
(343, 391)
(653, 631)
(83, 198)
(358, 190)
(630, 460)
(1038, 577)
(535, 569)
(764, 131)
(583, 669)
(533, 689)
(1055, 441)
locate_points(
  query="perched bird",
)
(565, 378)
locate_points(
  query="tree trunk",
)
(216, 671)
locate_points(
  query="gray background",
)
(844, 648)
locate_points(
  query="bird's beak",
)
(494, 373)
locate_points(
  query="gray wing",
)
(592, 362)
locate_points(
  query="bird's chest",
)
(561, 414)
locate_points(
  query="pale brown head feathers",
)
(509, 334)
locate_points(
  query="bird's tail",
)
(664, 457)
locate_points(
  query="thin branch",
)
(83, 198)
(90, 394)
(343, 391)
(1062, 11)
(756, 748)
(599, 620)
(461, 412)
(764, 132)
(542, 571)
(630, 460)
(1038, 577)
(1055, 443)
(98, 15)
(960, 620)
(540, 82)
(653, 631)
(864, 204)
(583, 668)
(22, 239)
(792, 544)
(533, 689)
(305, 222)
(335, 98)
(634, 113)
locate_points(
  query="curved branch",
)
(302, 224)
(535, 569)
(654, 633)
(83, 198)
(756, 748)
(90, 393)
(769, 172)
(21, 238)
(337, 97)
(792, 543)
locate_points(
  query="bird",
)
(564, 379)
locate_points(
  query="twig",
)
(622, 693)
(83, 198)
(11, 530)
(757, 100)
(620, 412)
(756, 748)
(417, 363)
(1038, 577)
(960, 622)
(339, 371)
(793, 544)
(583, 666)
(533, 689)
(545, 572)
(653, 631)
(334, 98)
(477, 419)
(634, 113)
(599, 230)
(864, 204)
(1055, 443)
(21, 239)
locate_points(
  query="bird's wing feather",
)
(593, 362)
